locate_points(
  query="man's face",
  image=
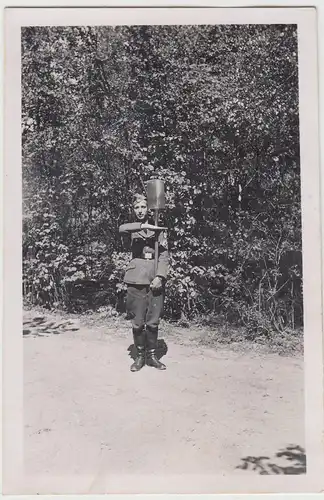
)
(140, 209)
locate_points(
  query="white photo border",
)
(14, 481)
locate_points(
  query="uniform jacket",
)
(140, 271)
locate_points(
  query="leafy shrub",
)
(211, 110)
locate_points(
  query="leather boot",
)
(151, 360)
(139, 342)
(151, 345)
(139, 360)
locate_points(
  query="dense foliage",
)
(211, 110)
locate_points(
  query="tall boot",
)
(151, 346)
(139, 342)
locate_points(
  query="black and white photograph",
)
(162, 251)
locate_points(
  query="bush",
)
(211, 110)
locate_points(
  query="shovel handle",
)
(156, 253)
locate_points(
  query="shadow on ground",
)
(294, 456)
(39, 326)
(161, 350)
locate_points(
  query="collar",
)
(146, 233)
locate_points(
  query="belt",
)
(144, 256)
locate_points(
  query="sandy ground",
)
(212, 411)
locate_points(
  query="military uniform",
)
(144, 305)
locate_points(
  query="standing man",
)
(145, 288)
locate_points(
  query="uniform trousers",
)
(145, 307)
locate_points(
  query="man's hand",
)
(152, 227)
(156, 284)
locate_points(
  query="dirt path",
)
(212, 411)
